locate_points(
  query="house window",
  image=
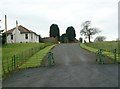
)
(31, 36)
(26, 36)
(11, 37)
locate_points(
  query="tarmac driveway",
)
(75, 67)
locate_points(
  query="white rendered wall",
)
(18, 37)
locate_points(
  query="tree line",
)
(70, 34)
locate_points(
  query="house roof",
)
(21, 29)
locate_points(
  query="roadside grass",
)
(36, 59)
(93, 47)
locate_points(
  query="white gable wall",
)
(9, 39)
(16, 37)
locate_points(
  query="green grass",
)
(9, 50)
(108, 48)
(36, 59)
(13, 49)
(88, 48)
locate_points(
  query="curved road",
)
(75, 67)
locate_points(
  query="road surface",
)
(75, 67)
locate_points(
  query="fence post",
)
(114, 51)
(14, 61)
(97, 52)
(3, 71)
(18, 60)
(8, 66)
(22, 58)
(3, 68)
(100, 56)
(49, 59)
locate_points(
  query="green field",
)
(13, 49)
(20, 51)
(107, 48)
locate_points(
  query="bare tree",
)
(87, 31)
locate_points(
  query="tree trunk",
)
(89, 38)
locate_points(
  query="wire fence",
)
(12, 64)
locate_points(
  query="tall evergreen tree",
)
(70, 33)
(62, 38)
(54, 31)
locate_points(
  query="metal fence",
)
(12, 64)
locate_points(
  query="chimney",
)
(16, 25)
(15, 34)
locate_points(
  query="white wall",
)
(18, 37)
(9, 39)
(34, 39)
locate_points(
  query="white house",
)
(20, 34)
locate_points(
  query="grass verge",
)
(36, 59)
(94, 50)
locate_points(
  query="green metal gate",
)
(51, 61)
(101, 57)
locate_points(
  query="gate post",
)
(100, 56)
(100, 52)
(50, 59)
(97, 59)
(114, 51)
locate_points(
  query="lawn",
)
(107, 48)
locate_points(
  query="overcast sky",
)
(38, 15)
